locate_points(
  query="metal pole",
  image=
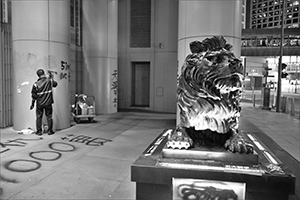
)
(278, 97)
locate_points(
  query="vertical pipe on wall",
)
(1, 75)
(5, 68)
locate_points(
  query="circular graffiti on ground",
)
(60, 146)
(2, 178)
(22, 165)
(45, 155)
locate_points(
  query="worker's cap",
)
(40, 72)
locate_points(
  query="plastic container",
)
(84, 111)
(90, 110)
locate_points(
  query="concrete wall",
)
(162, 55)
(100, 46)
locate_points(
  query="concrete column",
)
(100, 50)
(206, 18)
(40, 38)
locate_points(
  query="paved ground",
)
(92, 160)
(282, 128)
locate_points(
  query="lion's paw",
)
(179, 140)
(237, 143)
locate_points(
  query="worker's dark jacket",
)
(42, 91)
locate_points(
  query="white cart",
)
(84, 107)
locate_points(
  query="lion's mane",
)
(209, 87)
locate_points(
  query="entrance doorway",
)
(141, 84)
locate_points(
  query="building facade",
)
(125, 53)
(262, 39)
(267, 14)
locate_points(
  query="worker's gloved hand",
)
(50, 75)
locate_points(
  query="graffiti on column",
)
(65, 68)
(26, 65)
(114, 87)
(29, 63)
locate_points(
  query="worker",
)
(42, 94)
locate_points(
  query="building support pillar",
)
(40, 38)
(100, 51)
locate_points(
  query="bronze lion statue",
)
(209, 93)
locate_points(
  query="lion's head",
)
(210, 85)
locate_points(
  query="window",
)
(72, 13)
(296, 3)
(140, 23)
(4, 11)
(76, 21)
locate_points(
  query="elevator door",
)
(141, 84)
